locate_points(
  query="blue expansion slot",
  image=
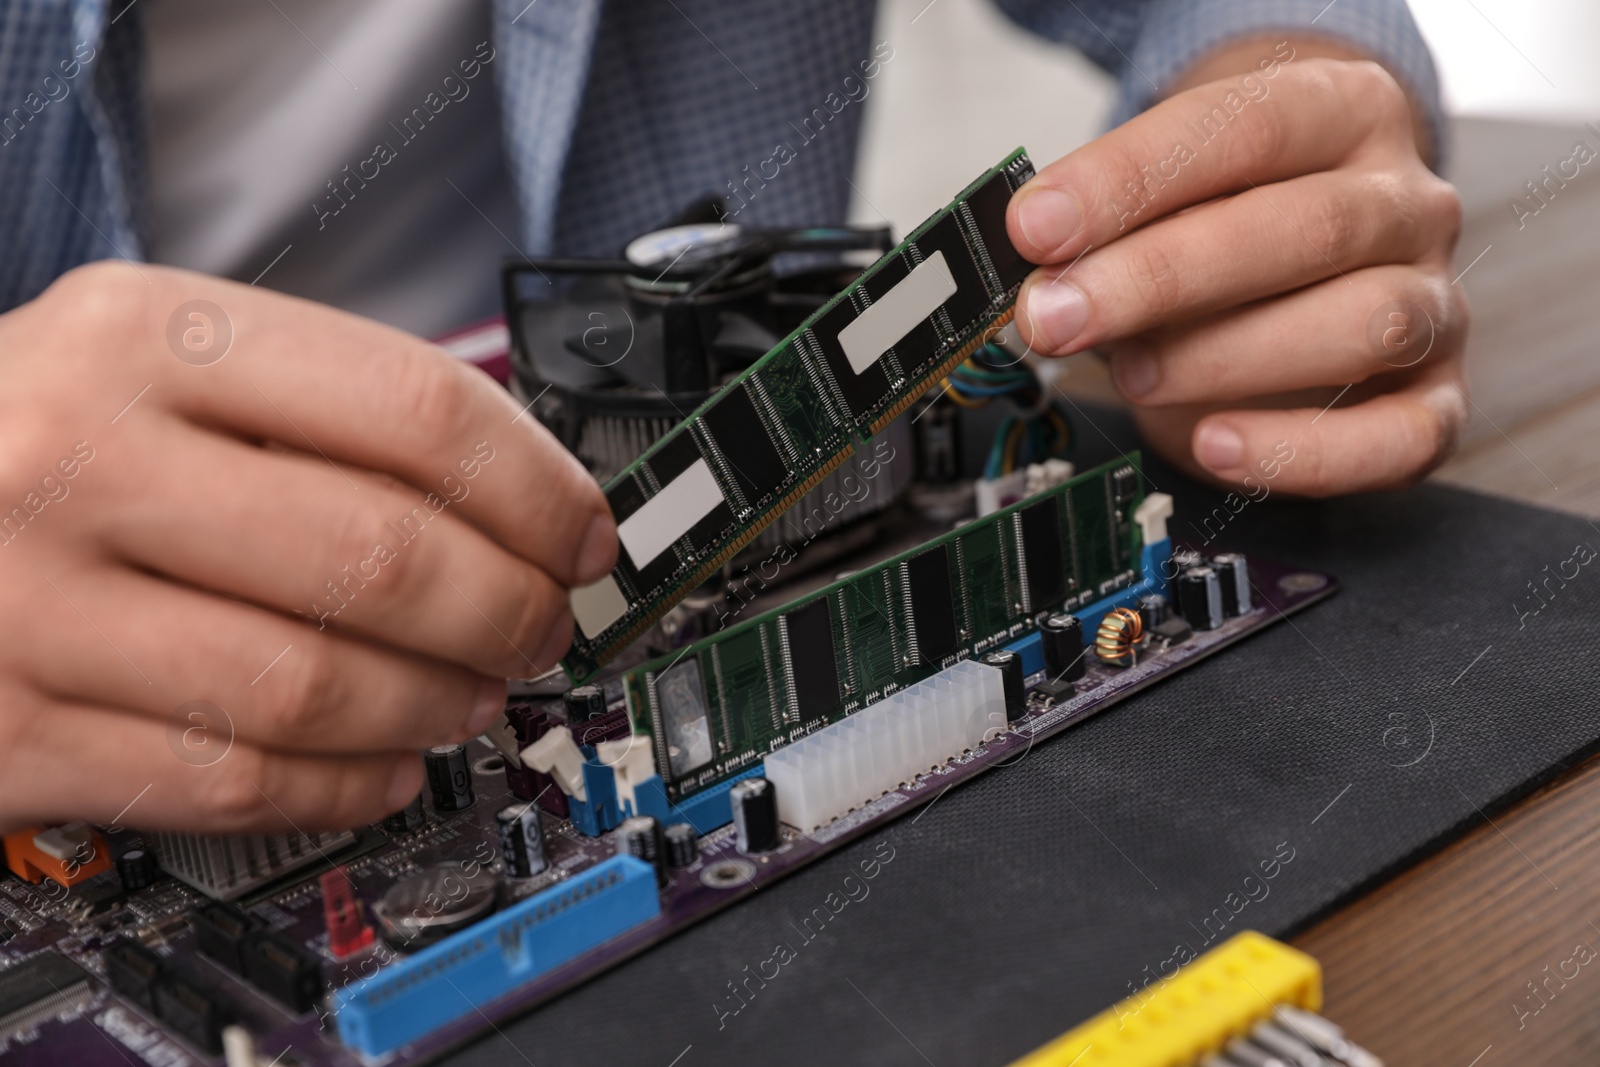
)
(443, 982)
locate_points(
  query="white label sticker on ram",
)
(669, 514)
(891, 317)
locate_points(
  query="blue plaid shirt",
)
(616, 113)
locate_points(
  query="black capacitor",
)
(1184, 558)
(137, 868)
(683, 844)
(1233, 574)
(406, 819)
(1011, 681)
(642, 836)
(584, 702)
(1153, 611)
(521, 840)
(1200, 597)
(449, 777)
(1064, 658)
(755, 815)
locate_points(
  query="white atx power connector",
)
(859, 758)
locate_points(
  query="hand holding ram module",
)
(757, 446)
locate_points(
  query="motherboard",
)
(611, 811)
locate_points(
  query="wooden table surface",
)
(1433, 968)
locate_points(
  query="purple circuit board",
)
(104, 1030)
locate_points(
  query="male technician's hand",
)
(1282, 240)
(217, 497)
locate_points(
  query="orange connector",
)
(65, 854)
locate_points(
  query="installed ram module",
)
(724, 703)
(763, 441)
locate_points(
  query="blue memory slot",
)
(1154, 563)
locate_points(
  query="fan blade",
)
(829, 239)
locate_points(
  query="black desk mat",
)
(1337, 748)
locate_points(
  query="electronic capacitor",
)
(1064, 659)
(1233, 574)
(1184, 558)
(521, 840)
(683, 844)
(1153, 611)
(1012, 682)
(584, 702)
(449, 777)
(755, 815)
(137, 868)
(1200, 597)
(641, 836)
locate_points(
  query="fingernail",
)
(488, 705)
(598, 553)
(1057, 312)
(556, 645)
(1135, 371)
(404, 786)
(1048, 218)
(1218, 448)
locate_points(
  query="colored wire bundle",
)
(1038, 431)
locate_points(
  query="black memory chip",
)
(1041, 553)
(933, 612)
(988, 206)
(625, 498)
(676, 455)
(734, 424)
(860, 391)
(971, 296)
(812, 659)
(922, 340)
(33, 984)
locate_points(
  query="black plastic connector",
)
(134, 972)
(283, 969)
(220, 932)
(192, 1010)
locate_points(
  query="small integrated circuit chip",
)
(678, 457)
(971, 294)
(813, 664)
(988, 207)
(933, 613)
(735, 426)
(1039, 535)
(862, 388)
(626, 498)
(39, 988)
(917, 345)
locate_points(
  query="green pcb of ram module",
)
(723, 704)
(769, 436)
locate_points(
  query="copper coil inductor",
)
(1118, 636)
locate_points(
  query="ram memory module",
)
(723, 704)
(754, 448)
